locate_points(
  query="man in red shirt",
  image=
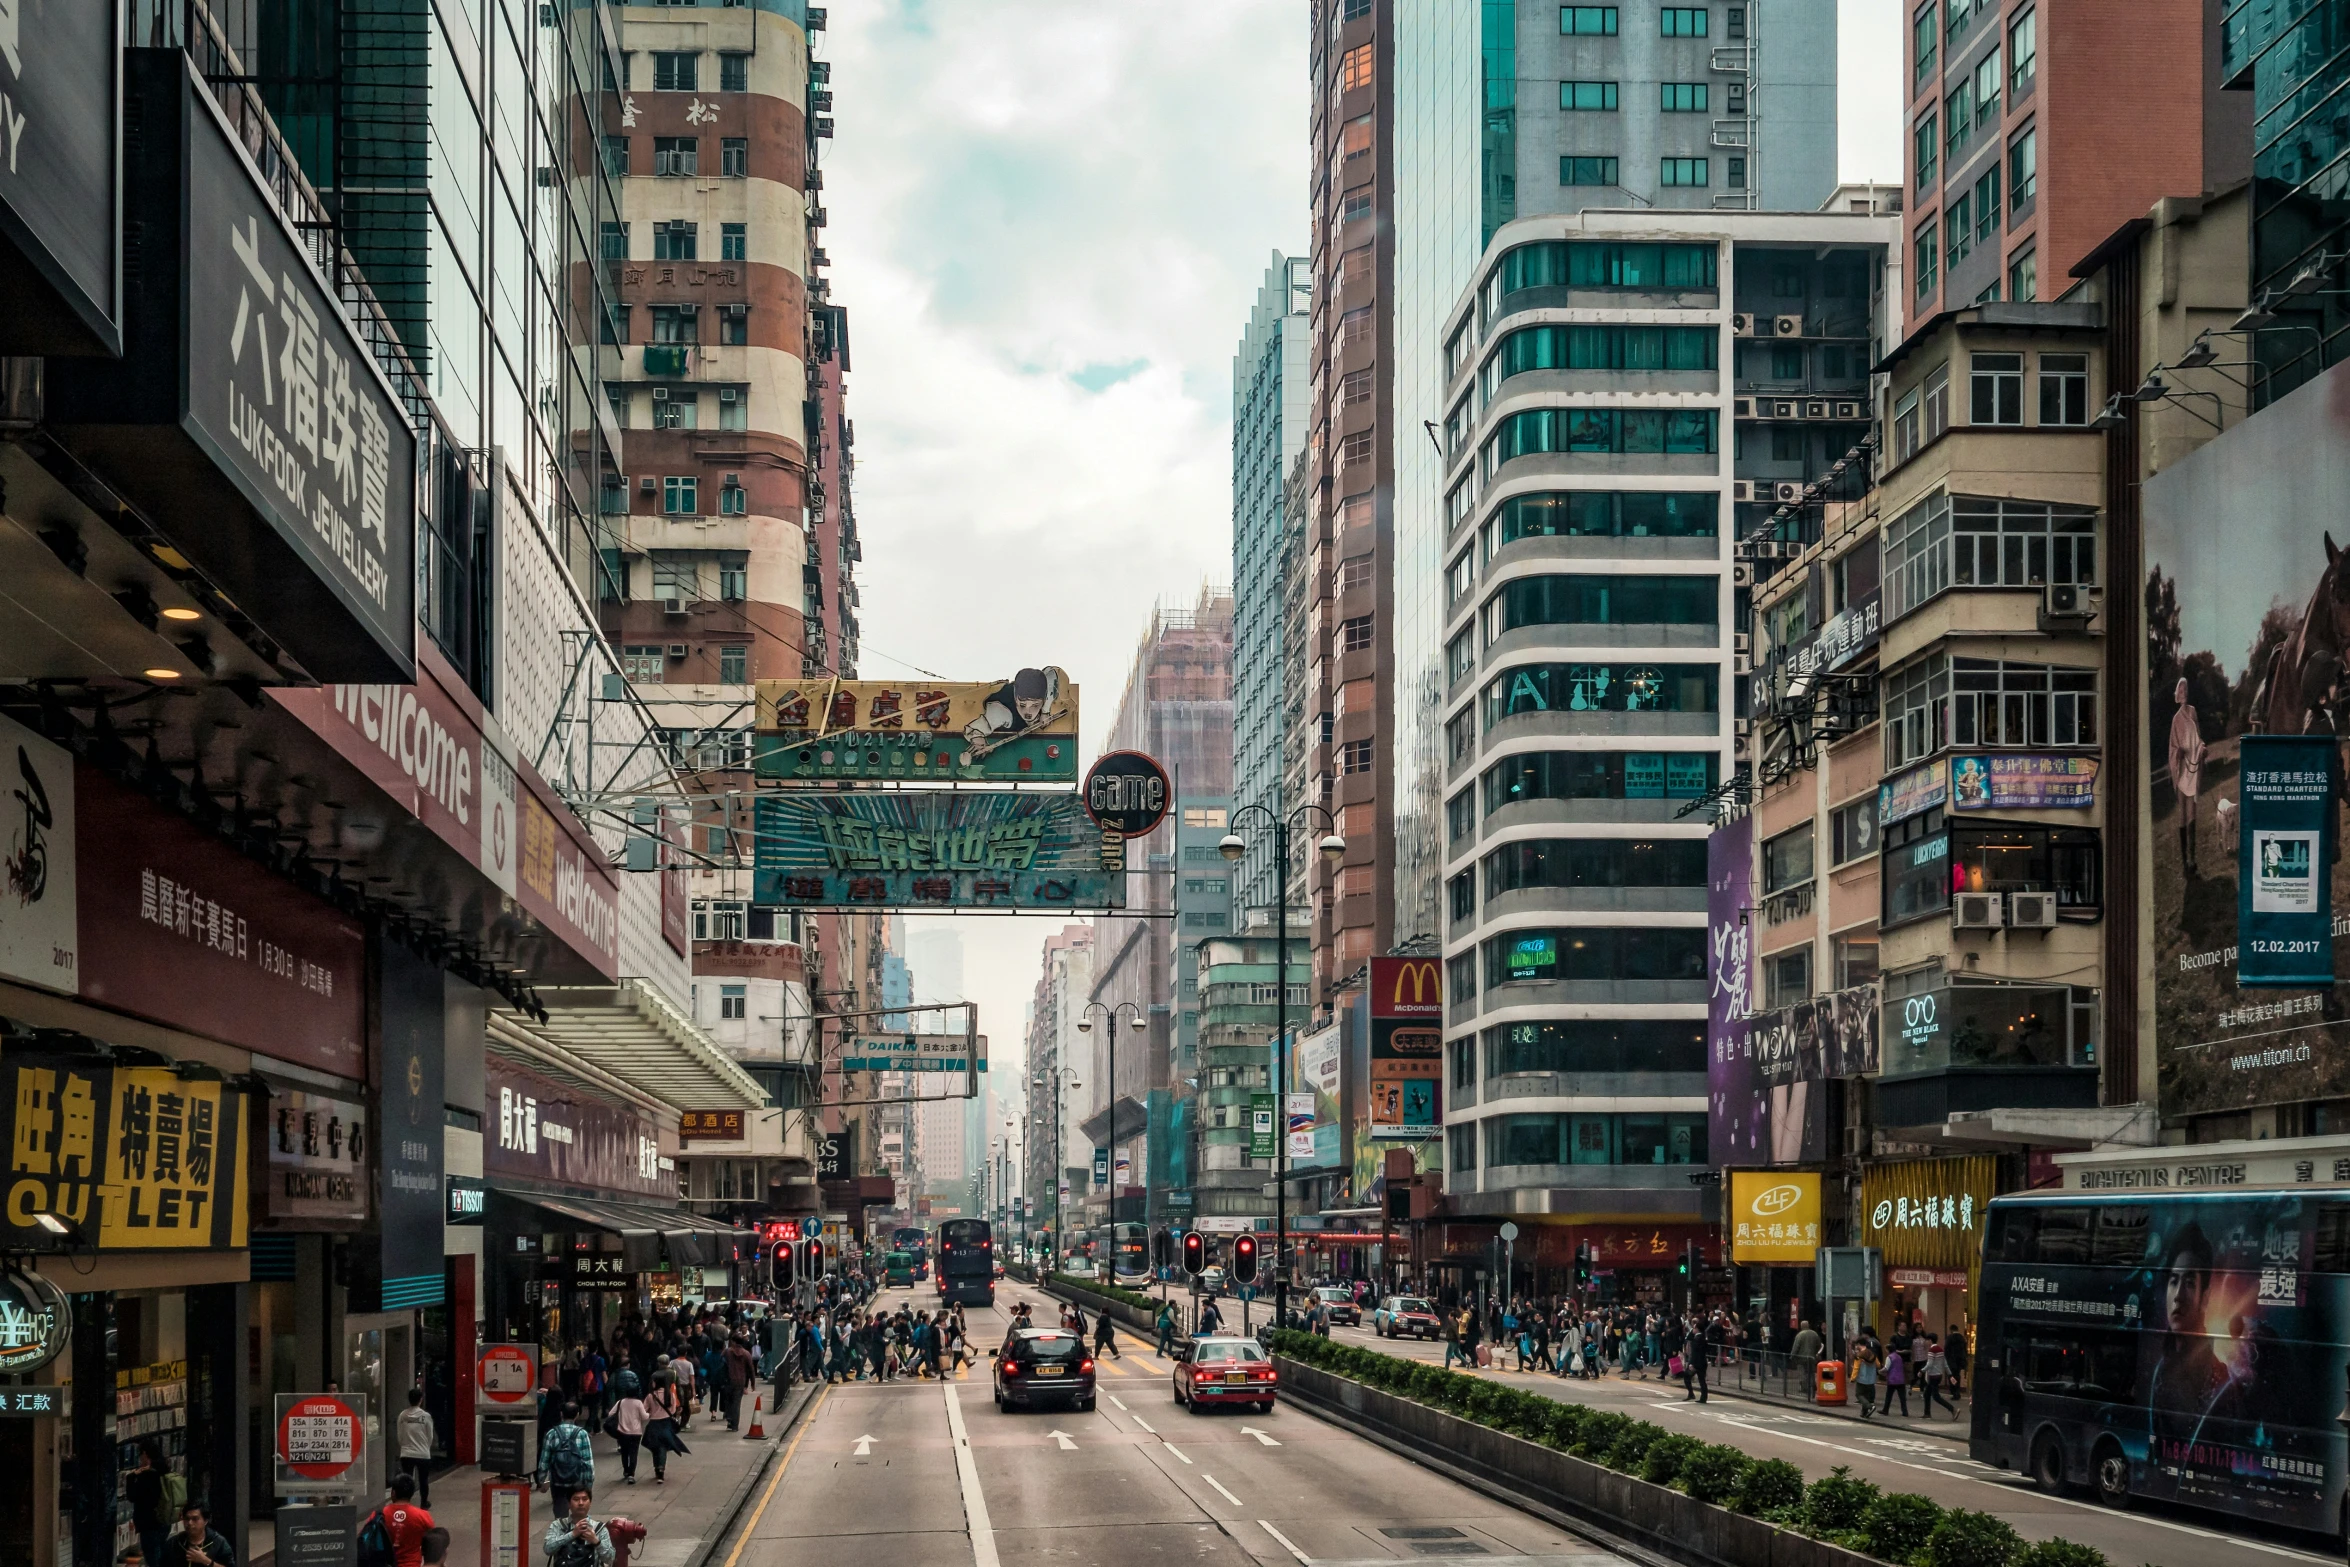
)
(405, 1523)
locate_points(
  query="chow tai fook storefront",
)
(1926, 1217)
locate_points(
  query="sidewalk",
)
(685, 1518)
(1750, 1390)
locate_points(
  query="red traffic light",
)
(1244, 1259)
(782, 1265)
(1195, 1253)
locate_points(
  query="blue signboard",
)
(2284, 861)
(913, 848)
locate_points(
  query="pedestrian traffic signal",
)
(1195, 1253)
(1691, 1257)
(1163, 1249)
(1244, 1259)
(1582, 1265)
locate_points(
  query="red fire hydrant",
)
(625, 1534)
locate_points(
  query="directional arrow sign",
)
(1259, 1435)
(864, 1446)
(1062, 1437)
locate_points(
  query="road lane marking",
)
(864, 1446)
(1220, 1491)
(1268, 1528)
(1113, 1398)
(1172, 1448)
(1138, 1420)
(1262, 1439)
(975, 1517)
(776, 1479)
(1062, 1437)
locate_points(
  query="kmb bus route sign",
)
(321, 1438)
(507, 1374)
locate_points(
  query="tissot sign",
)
(59, 93)
(246, 416)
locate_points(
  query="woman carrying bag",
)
(626, 1426)
(663, 1406)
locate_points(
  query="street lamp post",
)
(1333, 849)
(1110, 1138)
(1064, 1079)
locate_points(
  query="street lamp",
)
(1085, 1026)
(1333, 849)
(1065, 1078)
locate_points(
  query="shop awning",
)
(692, 1239)
(633, 1032)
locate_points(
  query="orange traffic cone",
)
(757, 1431)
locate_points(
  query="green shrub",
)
(1969, 1539)
(1600, 1429)
(1665, 1457)
(1566, 1424)
(1896, 1527)
(1836, 1503)
(1713, 1472)
(1770, 1490)
(2060, 1553)
(1630, 1448)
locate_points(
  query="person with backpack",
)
(1105, 1337)
(143, 1488)
(393, 1535)
(1166, 1327)
(576, 1538)
(567, 1458)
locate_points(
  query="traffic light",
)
(1685, 1261)
(1162, 1248)
(1195, 1253)
(812, 1259)
(1692, 1256)
(1244, 1259)
(1582, 1265)
(780, 1265)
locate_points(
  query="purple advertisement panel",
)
(1737, 1095)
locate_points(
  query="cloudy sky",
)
(1048, 221)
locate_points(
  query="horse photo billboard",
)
(2247, 600)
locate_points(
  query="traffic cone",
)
(757, 1432)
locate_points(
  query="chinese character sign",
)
(139, 1157)
(1023, 729)
(1774, 1216)
(910, 848)
(1737, 1092)
(1928, 1213)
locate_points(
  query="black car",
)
(1043, 1365)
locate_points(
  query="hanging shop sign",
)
(469, 1200)
(1774, 1216)
(1127, 793)
(317, 1147)
(1738, 1098)
(552, 1134)
(1101, 1168)
(507, 1374)
(915, 1053)
(710, 1126)
(1928, 1213)
(35, 1323)
(2022, 781)
(59, 217)
(412, 1010)
(600, 1269)
(1260, 1126)
(321, 1442)
(2284, 860)
(139, 1157)
(836, 1155)
(1020, 730)
(927, 848)
(1407, 1048)
(1907, 794)
(246, 416)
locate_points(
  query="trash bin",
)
(1830, 1383)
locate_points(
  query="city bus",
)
(911, 1239)
(2184, 1348)
(966, 1263)
(1130, 1253)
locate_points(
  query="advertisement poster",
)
(1773, 1217)
(1906, 794)
(2216, 1325)
(1736, 1096)
(2284, 906)
(1794, 1051)
(1019, 730)
(2247, 599)
(1260, 1126)
(912, 848)
(2022, 781)
(1407, 1048)
(140, 1157)
(1928, 1213)
(1320, 1057)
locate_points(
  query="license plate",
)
(1236, 1376)
(1051, 1371)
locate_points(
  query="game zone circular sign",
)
(506, 1374)
(320, 1437)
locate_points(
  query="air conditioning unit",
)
(1790, 326)
(660, 394)
(730, 394)
(1848, 410)
(1978, 910)
(1741, 407)
(2068, 601)
(1741, 663)
(1782, 410)
(1741, 643)
(1742, 489)
(1787, 492)
(1742, 326)
(673, 606)
(2031, 911)
(1815, 410)
(677, 650)
(647, 484)
(1741, 574)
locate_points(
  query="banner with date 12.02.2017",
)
(140, 1158)
(911, 848)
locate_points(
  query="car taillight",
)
(1011, 1368)
(1085, 1366)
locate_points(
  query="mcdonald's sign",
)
(1407, 987)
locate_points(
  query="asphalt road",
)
(881, 1475)
(1909, 1460)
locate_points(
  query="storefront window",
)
(1916, 864)
(1990, 1025)
(1595, 1139)
(1926, 861)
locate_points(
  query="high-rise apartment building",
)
(2290, 60)
(2032, 132)
(1269, 386)
(1058, 1162)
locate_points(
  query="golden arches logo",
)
(1423, 979)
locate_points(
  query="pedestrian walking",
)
(626, 1426)
(1864, 1377)
(1934, 1376)
(1955, 1351)
(1896, 1376)
(404, 1523)
(1454, 1332)
(198, 1544)
(416, 1439)
(567, 1458)
(1105, 1338)
(741, 1370)
(143, 1488)
(1166, 1326)
(661, 1425)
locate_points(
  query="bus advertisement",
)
(2189, 1349)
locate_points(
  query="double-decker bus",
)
(2191, 1349)
(1130, 1253)
(913, 1240)
(966, 1263)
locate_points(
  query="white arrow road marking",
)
(1062, 1437)
(1283, 1538)
(1220, 1491)
(1145, 1424)
(1172, 1448)
(975, 1519)
(1259, 1435)
(864, 1446)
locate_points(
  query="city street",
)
(1137, 1481)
